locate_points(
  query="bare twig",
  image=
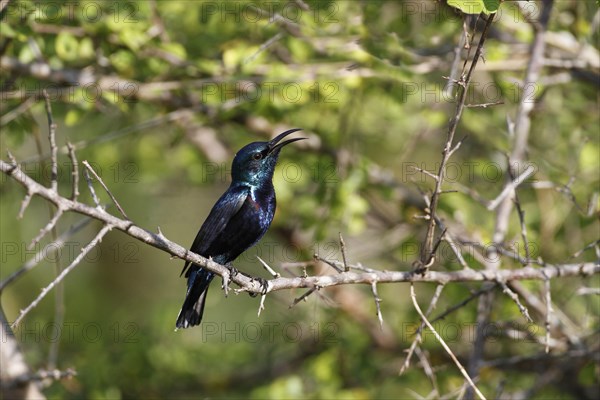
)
(424, 171)
(49, 226)
(377, 303)
(74, 171)
(24, 205)
(45, 252)
(20, 109)
(549, 311)
(93, 243)
(515, 298)
(484, 105)
(457, 306)
(14, 366)
(443, 343)
(86, 174)
(43, 375)
(303, 297)
(52, 139)
(343, 247)
(263, 47)
(521, 214)
(510, 187)
(331, 263)
(161, 242)
(592, 245)
(428, 370)
(584, 291)
(89, 167)
(418, 333)
(426, 251)
(517, 157)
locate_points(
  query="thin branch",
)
(86, 174)
(506, 290)
(428, 370)
(549, 311)
(52, 139)
(424, 171)
(42, 375)
(460, 305)
(303, 297)
(263, 47)
(444, 345)
(592, 245)
(331, 263)
(24, 205)
(377, 303)
(74, 171)
(584, 291)
(93, 243)
(521, 214)
(49, 226)
(426, 253)
(510, 187)
(45, 252)
(20, 109)
(343, 247)
(517, 157)
(161, 242)
(418, 333)
(484, 105)
(89, 167)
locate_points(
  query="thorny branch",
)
(427, 252)
(158, 240)
(313, 283)
(516, 158)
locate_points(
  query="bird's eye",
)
(257, 156)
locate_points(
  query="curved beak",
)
(275, 144)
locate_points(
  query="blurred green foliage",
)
(365, 80)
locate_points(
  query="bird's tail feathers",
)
(193, 306)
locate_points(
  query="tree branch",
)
(159, 241)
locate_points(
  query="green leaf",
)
(67, 46)
(467, 6)
(6, 30)
(491, 6)
(475, 6)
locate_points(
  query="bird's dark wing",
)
(224, 209)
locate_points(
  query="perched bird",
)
(236, 222)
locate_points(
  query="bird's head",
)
(255, 162)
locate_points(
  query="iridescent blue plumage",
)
(236, 222)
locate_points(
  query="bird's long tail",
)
(193, 307)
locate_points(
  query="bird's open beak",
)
(275, 145)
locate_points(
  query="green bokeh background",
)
(364, 79)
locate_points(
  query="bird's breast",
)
(263, 202)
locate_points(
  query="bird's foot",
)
(228, 277)
(264, 284)
(232, 271)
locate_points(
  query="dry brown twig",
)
(427, 253)
(418, 333)
(503, 208)
(443, 343)
(97, 239)
(364, 276)
(112, 197)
